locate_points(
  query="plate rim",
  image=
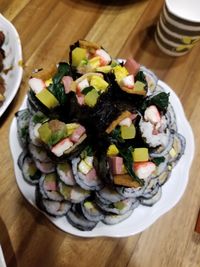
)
(108, 228)
(19, 68)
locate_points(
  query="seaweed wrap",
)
(30, 172)
(61, 140)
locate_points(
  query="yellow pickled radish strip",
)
(140, 154)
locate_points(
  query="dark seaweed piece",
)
(57, 88)
(87, 152)
(158, 160)
(63, 70)
(87, 90)
(122, 99)
(104, 113)
(103, 170)
(73, 112)
(21, 158)
(39, 117)
(160, 100)
(116, 136)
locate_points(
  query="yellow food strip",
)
(125, 180)
(98, 83)
(120, 72)
(112, 126)
(47, 98)
(78, 54)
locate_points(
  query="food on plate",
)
(2, 56)
(99, 138)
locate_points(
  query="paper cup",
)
(178, 28)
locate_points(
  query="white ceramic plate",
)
(13, 60)
(142, 217)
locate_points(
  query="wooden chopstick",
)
(197, 227)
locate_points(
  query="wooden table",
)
(125, 29)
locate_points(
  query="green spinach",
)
(126, 153)
(57, 88)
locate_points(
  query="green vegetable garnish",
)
(126, 153)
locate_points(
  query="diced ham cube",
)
(67, 81)
(116, 165)
(132, 66)
(77, 134)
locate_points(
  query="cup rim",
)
(178, 15)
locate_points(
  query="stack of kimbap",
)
(99, 138)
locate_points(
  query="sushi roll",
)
(85, 93)
(108, 195)
(151, 79)
(76, 218)
(112, 219)
(51, 207)
(131, 192)
(30, 172)
(38, 153)
(65, 174)
(129, 78)
(34, 123)
(23, 117)
(91, 211)
(155, 131)
(74, 194)
(48, 95)
(88, 57)
(86, 172)
(154, 199)
(48, 186)
(41, 158)
(61, 140)
(120, 207)
(177, 149)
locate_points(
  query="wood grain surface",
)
(125, 29)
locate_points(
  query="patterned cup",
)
(178, 28)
